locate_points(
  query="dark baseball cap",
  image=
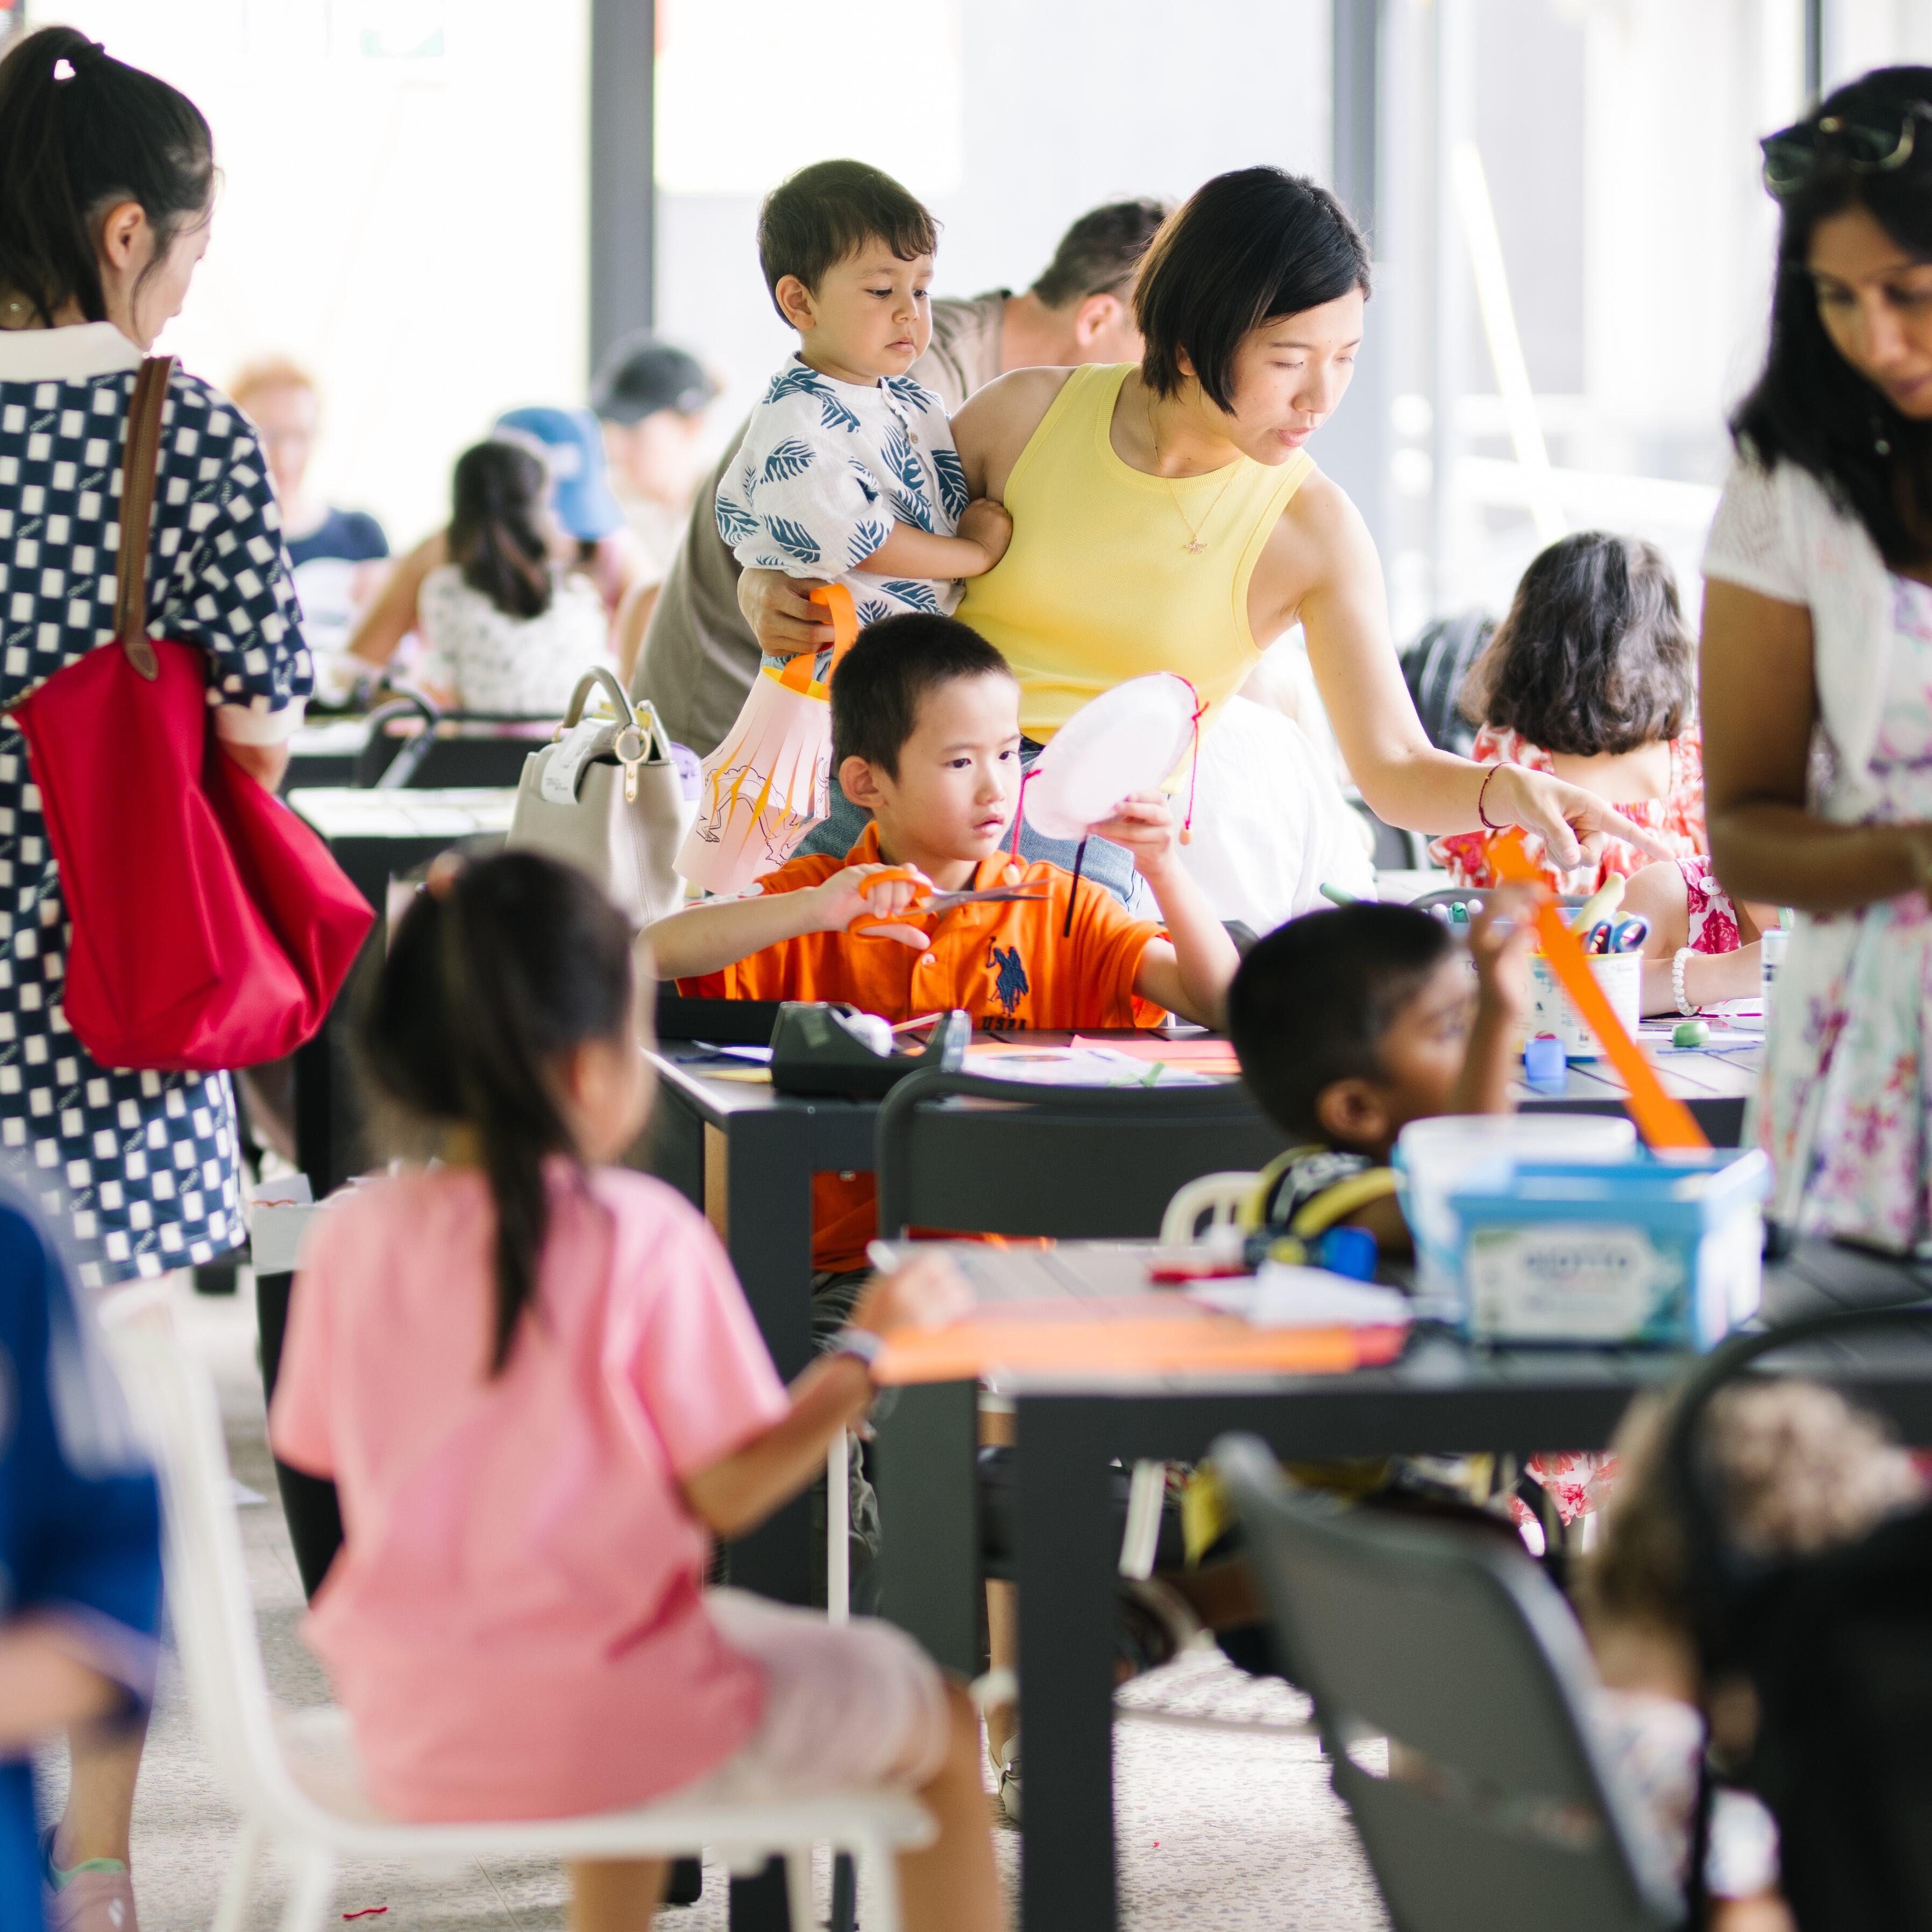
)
(641, 375)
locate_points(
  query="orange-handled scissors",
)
(927, 904)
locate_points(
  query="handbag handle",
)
(139, 459)
(642, 716)
(592, 680)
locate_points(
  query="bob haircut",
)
(1809, 406)
(1245, 248)
(1594, 656)
(815, 218)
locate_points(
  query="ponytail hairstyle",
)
(81, 132)
(498, 969)
(497, 537)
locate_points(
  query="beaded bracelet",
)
(1679, 960)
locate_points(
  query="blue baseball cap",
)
(570, 444)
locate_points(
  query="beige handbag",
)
(606, 797)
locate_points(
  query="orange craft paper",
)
(1664, 1120)
(1199, 1056)
(1134, 1335)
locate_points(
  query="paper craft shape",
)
(768, 783)
(1127, 739)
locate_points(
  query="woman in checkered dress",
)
(105, 179)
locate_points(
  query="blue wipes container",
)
(1667, 1252)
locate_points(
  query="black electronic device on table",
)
(819, 1047)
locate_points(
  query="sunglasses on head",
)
(1867, 144)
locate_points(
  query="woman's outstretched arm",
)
(1323, 560)
(1759, 707)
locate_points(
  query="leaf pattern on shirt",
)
(908, 391)
(832, 414)
(902, 460)
(952, 474)
(736, 524)
(865, 539)
(793, 538)
(873, 610)
(796, 379)
(789, 459)
(863, 477)
(913, 510)
(910, 590)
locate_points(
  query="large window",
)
(1009, 117)
(1580, 256)
(402, 210)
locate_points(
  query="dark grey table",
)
(1441, 1395)
(719, 1142)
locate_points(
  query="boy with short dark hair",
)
(1352, 1022)
(847, 473)
(926, 736)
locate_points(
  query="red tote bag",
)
(211, 928)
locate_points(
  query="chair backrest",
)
(1498, 1813)
(940, 1166)
(210, 1610)
(1435, 668)
(1220, 1197)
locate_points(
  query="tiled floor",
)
(1229, 1832)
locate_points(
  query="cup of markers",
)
(1615, 947)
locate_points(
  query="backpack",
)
(1434, 667)
(1837, 1647)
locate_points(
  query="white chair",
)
(293, 1774)
(1220, 1197)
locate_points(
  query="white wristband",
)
(1679, 960)
(861, 1344)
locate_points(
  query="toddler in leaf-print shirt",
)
(847, 473)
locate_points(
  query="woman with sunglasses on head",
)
(1817, 662)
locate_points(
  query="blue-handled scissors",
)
(1628, 935)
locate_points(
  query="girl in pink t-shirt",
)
(539, 1392)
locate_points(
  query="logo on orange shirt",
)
(1010, 984)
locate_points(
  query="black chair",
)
(1499, 1815)
(452, 757)
(939, 1166)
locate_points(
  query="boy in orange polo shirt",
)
(925, 732)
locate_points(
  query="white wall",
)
(403, 210)
(1009, 117)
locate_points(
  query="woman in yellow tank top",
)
(1168, 518)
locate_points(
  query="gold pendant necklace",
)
(1193, 546)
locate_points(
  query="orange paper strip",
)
(1199, 1056)
(1081, 1337)
(1662, 1120)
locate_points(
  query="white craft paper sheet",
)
(1271, 827)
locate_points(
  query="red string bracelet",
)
(1488, 825)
